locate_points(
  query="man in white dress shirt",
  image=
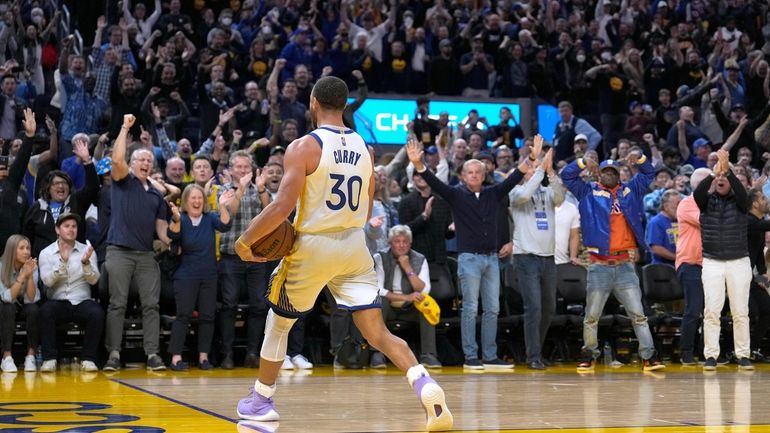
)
(69, 268)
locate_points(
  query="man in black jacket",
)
(10, 181)
(474, 211)
(725, 260)
(759, 299)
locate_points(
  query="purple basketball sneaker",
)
(432, 398)
(257, 408)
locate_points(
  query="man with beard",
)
(175, 172)
(249, 115)
(303, 79)
(759, 299)
(611, 223)
(328, 220)
(445, 76)
(274, 174)
(725, 260)
(127, 101)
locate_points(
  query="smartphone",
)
(4, 162)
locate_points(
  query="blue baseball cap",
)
(610, 163)
(700, 142)
(431, 150)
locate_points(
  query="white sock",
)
(415, 373)
(115, 354)
(264, 390)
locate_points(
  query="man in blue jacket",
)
(611, 222)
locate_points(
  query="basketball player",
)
(329, 177)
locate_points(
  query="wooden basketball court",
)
(617, 400)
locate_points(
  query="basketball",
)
(277, 244)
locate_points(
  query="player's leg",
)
(370, 322)
(292, 291)
(373, 328)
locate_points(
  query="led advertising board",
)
(384, 121)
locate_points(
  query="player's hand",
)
(246, 254)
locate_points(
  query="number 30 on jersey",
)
(350, 196)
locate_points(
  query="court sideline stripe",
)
(173, 400)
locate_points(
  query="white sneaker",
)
(8, 366)
(30, 363)
(287, 364)
(301, 362)
(88, 366)
(48, 366)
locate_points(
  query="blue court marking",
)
(173, 400)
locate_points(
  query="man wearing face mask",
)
(723, 223)
(610, 220)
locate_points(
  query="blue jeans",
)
(479, 275)
(622, 281)
(536, 276)
(692, 285)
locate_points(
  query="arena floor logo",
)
(72, 417)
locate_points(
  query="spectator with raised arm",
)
(474, 211)
(59, 197)
(611, 223)
(724, 228)
(11, 178)
(195, 281)
(235, 275)
(138, 214)
(140, 19)
(533, 208)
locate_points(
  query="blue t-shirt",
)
(134, 212)
(663, 232)
(199, 257)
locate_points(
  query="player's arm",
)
(295, 163)
(371, 185)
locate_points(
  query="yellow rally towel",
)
(430, 309)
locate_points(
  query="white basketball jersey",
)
(336, 195)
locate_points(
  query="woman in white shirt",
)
(18, 291)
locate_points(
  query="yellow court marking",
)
(69, 402)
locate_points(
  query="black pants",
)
(87, 314)
(235, 277)
(759, 312)
(188, 294)
(408, 313)
(8, 324)
(690, 279)
(341, 324)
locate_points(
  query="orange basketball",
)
(277, 244)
